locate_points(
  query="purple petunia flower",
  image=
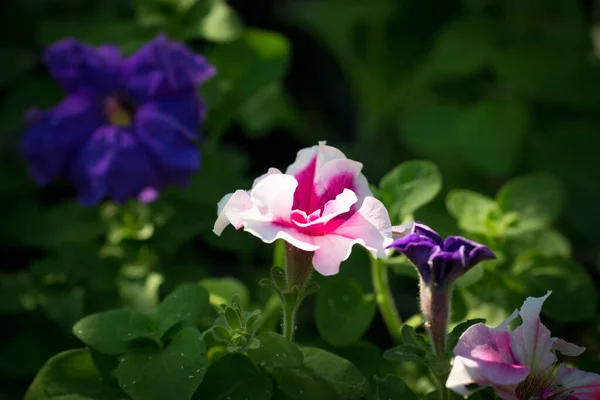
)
(128, 125)
(440, 261)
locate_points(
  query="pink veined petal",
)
(504, 325)
(568, 349)
(531, 342)
(335, 176)
(582, 385)
(332, 251)
(320, 153)
(274, 195)
(371, 224)
(230, 210)
(503, 378)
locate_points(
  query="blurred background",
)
(488, 90)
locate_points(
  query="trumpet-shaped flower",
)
(321, 204)
(520, 364)
(440, 261)
(128, 125)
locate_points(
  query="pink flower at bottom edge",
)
(321, 204)
(520, 364)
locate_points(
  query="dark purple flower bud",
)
(128, 127)
(439, 262)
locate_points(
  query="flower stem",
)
(435, 305)
(298, 265)
(289, 317)
(384, 299)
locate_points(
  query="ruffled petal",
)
(168, 128)
(163, 68)
(56, 135)
(113, 164)
(580, 384)
(484, 356)
(274, 196)
(322, 173)
(531, 342)
(466, 372)
(79, 67)
(230, 210)
(424, 230)
(333, 249)
(371, 223)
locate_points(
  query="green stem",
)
(384, 299)
(298, 265)
(289, 319)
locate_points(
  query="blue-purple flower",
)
(440, 261)
(127, 126)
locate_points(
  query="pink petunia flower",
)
(321, 204)
(520, 364)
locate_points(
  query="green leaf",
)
(17, 293)
(570, 283)
(221, 24)
(343, 312)
(470, 209)
(173, 373)
(233, 377)
(548, 242)
(340, 374)
(72, 375)
(406, 352)
(275, 351)
(410, 186)
(459, 330)
(222, 290)
(110, 332)
(490, 135)
(187, 305)
(393, 388)
(302, 384)
(536, 199)
(410, 337)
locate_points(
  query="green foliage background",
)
(502, 97)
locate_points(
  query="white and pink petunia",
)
(520, 364)
(321, 204)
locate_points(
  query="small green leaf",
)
(406, 352)
(470, 209)
(459, 330)
(221, 334)
(222, 290)
(569, 281)
(186, 305)
(409, 187)
(393, 388)
(340, 374)
(232, 318)
(536, 199)
(109, 332)
(410, 337)
(173, 373)
(233, 377)
(275, 351)
(72, 375)
(343, 313)
(221, 24)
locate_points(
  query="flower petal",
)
(162, 68)
(52, 141)
(568, 349)
(474, 252)
(168, 129)
(112, 163)
(531, 341)
(466, 372)
(230, 210)
(582, 385)
(484, 356)
(274, 196)
(79, 67)
(418, 249)
(371, 223)
(423, 230)
(333, 249)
